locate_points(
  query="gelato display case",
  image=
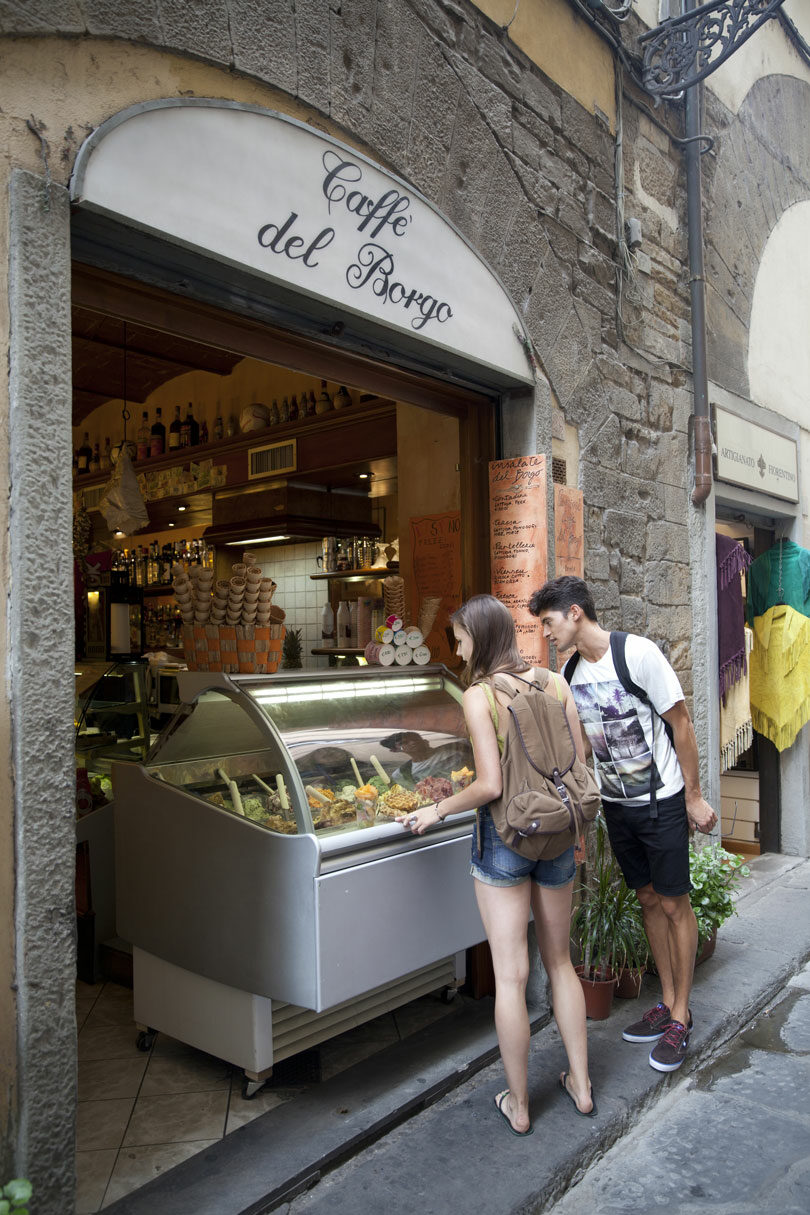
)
(270, 897)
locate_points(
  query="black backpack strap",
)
(570, 667)
(618, 643)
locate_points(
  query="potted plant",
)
(593, 927)
(632, 950)
(715, 875)
(15, 1196)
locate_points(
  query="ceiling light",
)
(119, 534)
(364, 476)
(171, 524)
(182, 508)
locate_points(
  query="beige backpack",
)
(548, 792)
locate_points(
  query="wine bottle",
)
(95, 460)
(218, 428)
(294, 408)
(344, 626)
(176, 430)
(285, 410)
(157, 444)
(193, 427)
(324, 402)
(106, 457)
(144, 438)
(84, 454)
(312, 407)
(203, 433)
(327, 625)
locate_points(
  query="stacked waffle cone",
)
(246, 598)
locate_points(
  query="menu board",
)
(436, 590)
(519, 544)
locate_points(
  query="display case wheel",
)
(448, 994)
(251, 1087)
(146, 1039)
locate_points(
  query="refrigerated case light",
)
(358, 689)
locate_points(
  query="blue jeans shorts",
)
(496, 865)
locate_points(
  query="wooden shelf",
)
(342, 575)
(338, 651)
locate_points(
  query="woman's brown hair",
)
(494, 644)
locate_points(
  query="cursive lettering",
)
(276, 238)
(375, 267)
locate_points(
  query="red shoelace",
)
(674, 1034)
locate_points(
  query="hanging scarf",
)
(782, 575)
(732, 561)
(736, 727)
(780, 675)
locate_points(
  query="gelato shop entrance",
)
(282, 426)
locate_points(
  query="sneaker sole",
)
(664, 1067)
(645, 1038)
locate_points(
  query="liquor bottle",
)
(176, 430)
(232, 427)
(106, 457)
(275, 416)
(342, 398)
(95, 460)
(294, 408)
(218, 428)
(285, 410)
(312, 406)
(192, 426)
(157, 444)
(324, 402)
(84, 455)
(185, 431)
(203, 433)
(144, 438)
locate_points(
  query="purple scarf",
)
(732, 559)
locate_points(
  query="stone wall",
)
(433, 90)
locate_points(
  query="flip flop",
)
(499, 1100)
(591, 1112)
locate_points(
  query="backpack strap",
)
(493, 711)
(570, 667)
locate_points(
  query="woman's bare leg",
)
(552, 924)
(505, 915)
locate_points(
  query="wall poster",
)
(519, 544)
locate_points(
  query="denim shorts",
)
(496, 865)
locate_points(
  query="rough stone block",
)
(41, 17)
(198, 27)
(130, 19)
(670, 622)
(312, 40)
(667, 541)
(523, 253)
(634, 614)
(542, 99)
(625, 531)
(667, 583)
(585, 131)
(641, 457)
(470, 161)
(352, 64)
(497, 61)
(525, 145)
(435, 93)
(602, 300)
(571, 214)
(425, 161)
(493, 107)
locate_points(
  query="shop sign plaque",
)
(268, 193)
(755, 457)
(519, 544)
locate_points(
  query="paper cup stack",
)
(245, 598)
(394, 596)
(184, 594)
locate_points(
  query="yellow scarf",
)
(780, 674)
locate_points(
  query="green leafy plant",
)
(15, 1196)
(716, 874)
(606, 926)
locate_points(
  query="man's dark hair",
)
(391, 743)
(560, 595)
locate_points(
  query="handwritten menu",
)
(436, 549)
(519, 544)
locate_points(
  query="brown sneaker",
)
(670, 1052)
(650, 1027)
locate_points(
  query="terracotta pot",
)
(598, 992)
(707, 948)
(628, 983)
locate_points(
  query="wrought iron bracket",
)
(686, 49)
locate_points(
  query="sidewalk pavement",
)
(416, 1127)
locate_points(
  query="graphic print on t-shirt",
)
(620, 750)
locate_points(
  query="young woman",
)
(507, 886)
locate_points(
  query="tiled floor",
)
(143, 1113)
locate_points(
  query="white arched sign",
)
(267, 193)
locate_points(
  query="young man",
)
(650, 792)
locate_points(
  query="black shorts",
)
(651, 851)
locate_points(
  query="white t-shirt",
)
(620, 727)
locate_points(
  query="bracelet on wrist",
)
(438, 812)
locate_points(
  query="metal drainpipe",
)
(701, 428)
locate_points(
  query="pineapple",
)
(291, 650)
